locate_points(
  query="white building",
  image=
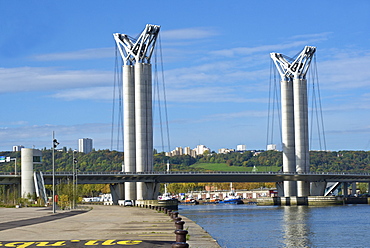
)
(225, 150)
(17, 148)
(271, 147)
(85, 145)
(200, 149)
(241, 148)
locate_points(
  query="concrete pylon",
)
(144, 130)
(288, 140)
(301, 133)
(129, 127)
(295, 117)
(136, 55)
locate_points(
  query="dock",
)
(98, 225)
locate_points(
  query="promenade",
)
(103, 226)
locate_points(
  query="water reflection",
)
(295, 226)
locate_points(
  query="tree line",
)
(112, 161)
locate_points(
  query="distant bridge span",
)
(195, 177)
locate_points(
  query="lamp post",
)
(55, 144)
(74, 180)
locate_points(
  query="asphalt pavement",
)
(102, 226)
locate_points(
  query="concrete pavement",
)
(112, 226)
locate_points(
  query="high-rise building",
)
(241, 148)
(85, 145)
(271, 147)
(17, 148)
(200, 149)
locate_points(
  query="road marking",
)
(66, 243)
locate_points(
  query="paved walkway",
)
(112, 226)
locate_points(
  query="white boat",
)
(231, 197)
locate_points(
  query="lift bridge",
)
(117, 178)
(142, 182)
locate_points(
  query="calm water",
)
(272, 226)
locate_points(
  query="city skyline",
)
(57, 69)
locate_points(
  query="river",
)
(235, 226)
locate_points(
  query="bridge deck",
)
(185, 177)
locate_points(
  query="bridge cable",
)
(117, 87)
(160, 77)
(273, 105)
(317, 106)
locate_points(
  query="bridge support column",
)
(144, 124)
(280, 189)
(354, 187)
(152, 190)
(301, 133)
(368, 188)
(117, 191)
(129, 128)
(318, 188)
(287, 115)
(345, 189)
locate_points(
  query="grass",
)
(225, 167)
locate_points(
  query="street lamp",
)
(55, 144)
(74, 180)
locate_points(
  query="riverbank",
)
(114, 225)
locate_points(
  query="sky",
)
(58, 63)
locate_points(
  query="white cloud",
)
(349, 71)
(95, 53)
(48, 79)
(188, 33)
(103, 93)
(242, 51)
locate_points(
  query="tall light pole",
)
(54, 145)
(74, 179)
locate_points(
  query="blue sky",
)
(57, 61)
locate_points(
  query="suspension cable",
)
(164, 95)
(320, 105)
(156, 82)
(114, 94)
(269, 106)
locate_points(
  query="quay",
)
(102, 226)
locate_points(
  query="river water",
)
(283, 226)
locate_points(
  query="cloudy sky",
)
(57, 69)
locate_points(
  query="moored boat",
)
(232, 197)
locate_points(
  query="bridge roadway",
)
(186, 177)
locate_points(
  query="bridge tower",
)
(295, 116)
(138, 119)
(287, 121)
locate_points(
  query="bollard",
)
(179, 225)
(180, 239)
(169, 212)
(177, 219)
(165, 211)
(175, 215)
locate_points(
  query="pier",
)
(114, 226)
